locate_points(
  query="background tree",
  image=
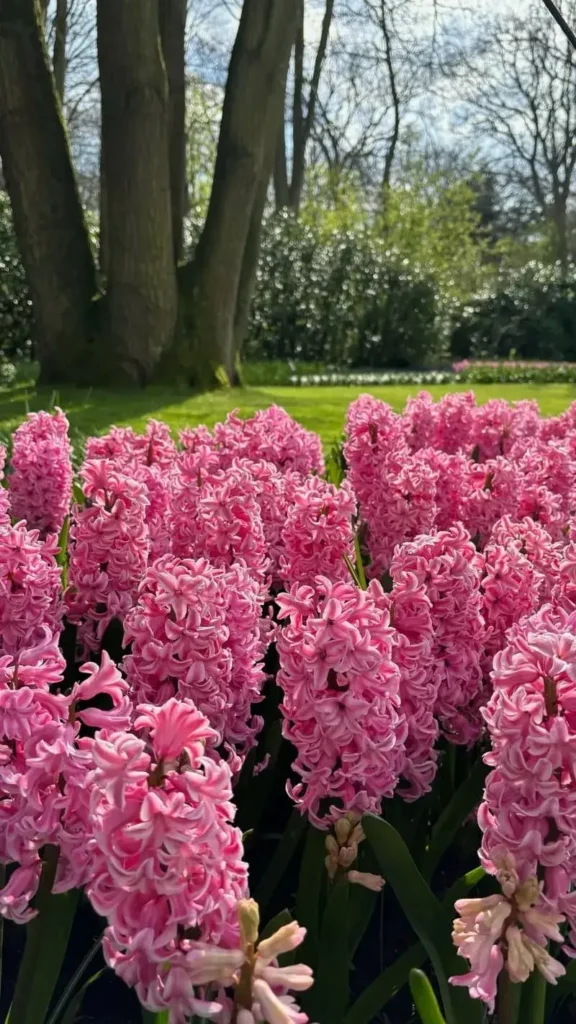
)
(518, 78)
(134, 322)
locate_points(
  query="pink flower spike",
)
(176, 728)
(287, 938)
(271, 1005)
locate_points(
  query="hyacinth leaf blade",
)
(71, 999)
(463, 802)
(281, 859)
(424, 998)
(533, 1000)
(281, 919)
(328, 998)
(362, 901)
(308, 897)
(429, 919)
(149, 1017)
(73, 1007)
(62, 556)
(370, 1003)
(508, 1001)
(47, 938)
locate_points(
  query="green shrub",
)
(528, 313)
(16, 322)
(341, 299)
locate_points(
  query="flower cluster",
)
(41, 476)
(341, 697)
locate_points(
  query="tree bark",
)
(59, 59)
(172, 34)
(140, 308)
(48, 216)
(256, 78)
(281, 185)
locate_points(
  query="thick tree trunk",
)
(248, 278)
(59, 60)
(172, 34)
(140, 307)
(256, 78)
(48, 215)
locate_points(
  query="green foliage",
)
(528, 313)
(344, 299)
(16, 323)
(424, 998)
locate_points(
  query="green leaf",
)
(465, 799)
(77, 492)
(75, 1004)
(311, 880)
(71, 997)
(281, 919)
(62, 556)
(429, 919)
(508, 1000)
(328, 998)
(386, 985)
(359, 563)
(566, 987)
(148, 1017)
(46, 942)
(424, 999)
(533, 1000)
(280, 861)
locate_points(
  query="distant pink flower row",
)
(202, 554)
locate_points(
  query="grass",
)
(319, 408)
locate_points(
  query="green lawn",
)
(321, 408)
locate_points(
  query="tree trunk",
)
(172, 34)
(140, 307)
(281, 187)
(59, 61)
(248, 277)
(256, 77)
(48, 215)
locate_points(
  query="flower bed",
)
(514, 372)
(240, 689)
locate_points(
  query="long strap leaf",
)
(465, 799)
(424, 999)
(328, 998)
(386, 985)
(312, 875)
(46, 942)
(282, 856)
(429, 919)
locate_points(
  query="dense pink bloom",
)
(341, 697)
(449, 569)
(109, 546)
(30, 582)
(317, 533)
(196, 633)
(149, 458)
(271, 435)
(411, 615)
(41, 477)
(167, 867)
(221, 521)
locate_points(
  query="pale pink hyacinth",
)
(167, 869)
(109, 548)
(261, 988)
(341, 702)
(448, 567)
(41, 478)
(318, 535)
(195, 632)
(509, 931)
(30, 583)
